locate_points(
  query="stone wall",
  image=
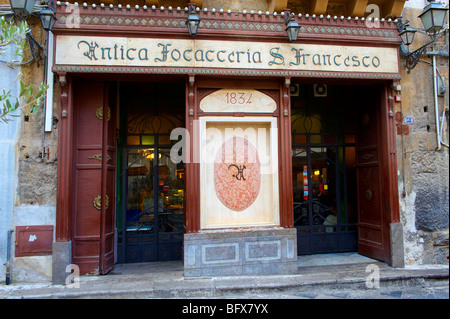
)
(423, 169)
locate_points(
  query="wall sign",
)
(144, 52)
(408, 120)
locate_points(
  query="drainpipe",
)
(439, 128)
(8, 258)
(436, 104)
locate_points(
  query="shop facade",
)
(235, 150)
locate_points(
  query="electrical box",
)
(34, 240)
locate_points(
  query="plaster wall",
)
(8, 170)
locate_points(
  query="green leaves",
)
(30, 99)
(14, 34)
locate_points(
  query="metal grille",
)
(324, 176)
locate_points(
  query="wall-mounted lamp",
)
(407, 33)
(22, 8)
(433, 17)
(48, 18)
(193, 20)
(433, 20)
(292, 27)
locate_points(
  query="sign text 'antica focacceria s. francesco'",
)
(110, 51)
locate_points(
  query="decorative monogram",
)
(240, 172)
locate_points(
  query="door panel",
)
(372, 219)
(107, 223)
(139, 219)
(93, 176)
(170, 206)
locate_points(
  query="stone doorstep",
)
(220, 286)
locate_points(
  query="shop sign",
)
(143, 52)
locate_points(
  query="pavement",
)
(330, 276)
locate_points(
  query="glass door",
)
(170, 186)
(324, 172)
(150, 196)
(153, 223)
(139, 233)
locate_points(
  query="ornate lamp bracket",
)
(412, 58)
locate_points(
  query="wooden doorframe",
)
(390, 174)
(64, 168)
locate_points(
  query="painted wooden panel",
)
(237, 174)
(231, 201)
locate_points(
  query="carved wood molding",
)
(115, 21)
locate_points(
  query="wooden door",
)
(107, 223)
(373, 220)
(93, 190)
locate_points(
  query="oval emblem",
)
(237, 173)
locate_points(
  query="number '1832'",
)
(238, 98)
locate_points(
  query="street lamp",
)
(193, 20)
(22, 8)
(292, 27)
(48, 18)
(433, 20)
(433, 17)
(407, 34)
